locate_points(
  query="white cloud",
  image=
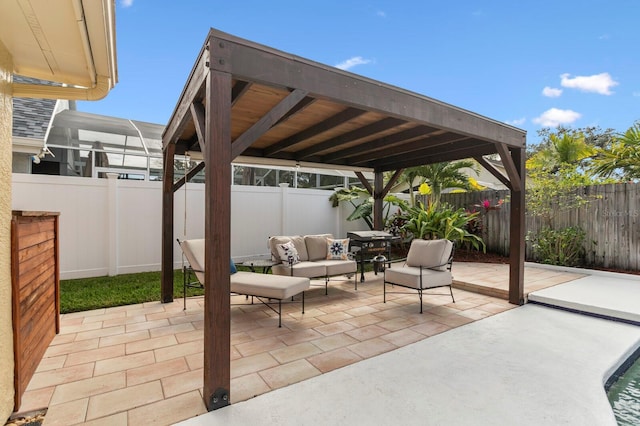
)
(352, 62)
(126, 3)
(551, 92)
(517, 121)
(381, 13)
(597, 83)
(554, 117)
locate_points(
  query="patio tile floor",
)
(143, 363)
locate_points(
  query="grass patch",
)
(85, 294)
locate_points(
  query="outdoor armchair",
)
(428, 265)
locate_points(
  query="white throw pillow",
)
(337, 249)
(288, 253)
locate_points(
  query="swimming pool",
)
(624, 396)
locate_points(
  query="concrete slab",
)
(528, 366)
(608, 295)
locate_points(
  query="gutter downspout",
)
(100, 84)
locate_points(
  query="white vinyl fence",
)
(111, 226)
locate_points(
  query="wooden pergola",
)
(249, 100)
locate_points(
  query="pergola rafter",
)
(245, 99)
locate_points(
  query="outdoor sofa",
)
(312, 256)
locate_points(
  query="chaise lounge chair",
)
(264, 287)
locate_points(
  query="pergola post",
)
(517, 231)
(217, 310)
(378, 197)
(166, 277)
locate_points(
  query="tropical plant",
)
(363, 204)
(439, 177)
(441, 221)
(562, 149)
(623, 158)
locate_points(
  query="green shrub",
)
(442, 221)
(563, 247)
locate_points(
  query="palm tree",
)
(439, 176)
(623, 158)
(564, 149)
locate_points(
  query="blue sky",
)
(530, 64)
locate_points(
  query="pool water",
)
(624, 396)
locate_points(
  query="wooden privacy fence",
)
(610, 220)
(35, 283)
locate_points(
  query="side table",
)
(265, 264)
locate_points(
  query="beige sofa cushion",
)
(429, 253)
(317, 246)
(297, 241)
(301, 269)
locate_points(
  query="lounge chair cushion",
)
(317, 246)
(267, 285)
(429, 253)
(409, 276)
(301, 269)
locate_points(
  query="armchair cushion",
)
(432, 254)
(409, 276)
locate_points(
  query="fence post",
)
(112, 217)
(284, 198)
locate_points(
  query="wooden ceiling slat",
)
(437, 157)
(373, 128)
(400, 151)
(383, 142)
(336, 120)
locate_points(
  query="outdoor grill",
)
(367, 244)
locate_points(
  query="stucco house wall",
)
(6, 332)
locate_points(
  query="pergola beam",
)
(245, 140)
(488, 167)
(275, 68)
